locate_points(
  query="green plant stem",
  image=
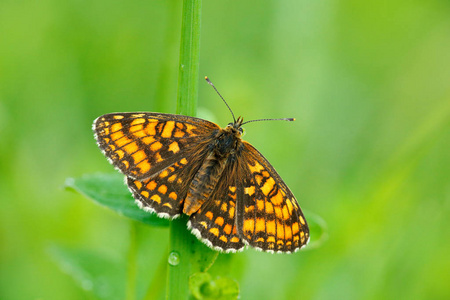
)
(182, 241)
(132, 267)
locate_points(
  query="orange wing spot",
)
(137, 122)
(126, 164)
(179, 180)
(286, 214)
(139, 156)
(232, 189)
(269, 208)
(151, 185)
(219, 221)
(260, 240)
(234, 230)
(105, 123)
(256, 168)
(231, 212)
(260, 225)
(120, 153)
(139, 133)
(287, 233)
(137, 115)
(118, 117)
(189, 128)
(296, 238)
(105, 139)
(258, 179)
(249, 225)
(148, 140)
(295, 228)
(162, 189)
(172, 178)
(203, 223)
(156, 198)
(278, 199)
(131, 148)
(138, 184)
(112, 147)
(173, 195)
(249, 190)
(227, 229)
(302, 220)
(289, 206)
(174, 147)
(116, 127)
(155, 146)
(122, 142)
(271, 227)
(183, 161)
(260, 205)
(164, 174)
(223, 239)
(177, 133)
(265, 174)
(117, 136)
(168, 128)
(234, 239)
(214, 231)
(268, 185)
(151, 128)
(209, 215)
(158, 157)
(145, 194)
(168, 205)
(280, 230)
(278, 212)
(249, 209)
(271, 239)
(224, 207)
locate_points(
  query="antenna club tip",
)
(292, 119)
(206, 78)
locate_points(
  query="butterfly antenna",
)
(282, 119)
(211, 84)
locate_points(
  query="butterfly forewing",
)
(142, 144)
(269, 217)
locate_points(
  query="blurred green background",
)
(367, 81)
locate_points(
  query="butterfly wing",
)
(268, 215)
(143, 144)
(215, 222)
(152, 150)
(165, 192)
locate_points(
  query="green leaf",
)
(103, 276)
(110, 191)
(203, 287)
(318, 230)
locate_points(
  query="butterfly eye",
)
(242, 131)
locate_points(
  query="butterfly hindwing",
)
(215, 222)
(143, 144)
(269, 217)
(164, 192)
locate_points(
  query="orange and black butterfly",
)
(177, 164)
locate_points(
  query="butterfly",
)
(177, 164)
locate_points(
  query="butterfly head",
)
(235, 127)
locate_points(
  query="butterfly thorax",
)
(226, 145)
